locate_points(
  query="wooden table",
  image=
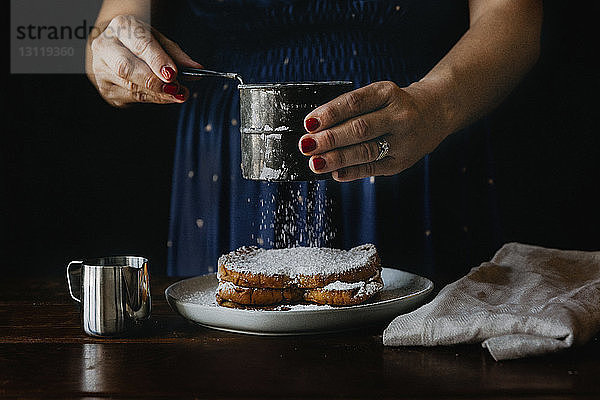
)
(44, 353)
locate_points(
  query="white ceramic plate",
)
(194, 299)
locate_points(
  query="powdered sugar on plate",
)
(194, 299)
(303, 307)
(203, 297)
(207, 298)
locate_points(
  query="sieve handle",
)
(197, 73)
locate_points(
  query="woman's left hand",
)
(344, 133)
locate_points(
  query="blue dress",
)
(440, 213)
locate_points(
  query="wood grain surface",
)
(45, 354)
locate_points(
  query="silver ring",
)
(384, 148)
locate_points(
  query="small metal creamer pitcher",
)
(114, 293)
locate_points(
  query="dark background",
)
(82, 179)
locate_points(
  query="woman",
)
(423, 70)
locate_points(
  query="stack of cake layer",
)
(254, 277)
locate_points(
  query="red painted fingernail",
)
(319, 163)
(167, 72)
(180, 96)
(312, 124)
(170, 88)
(308, 145)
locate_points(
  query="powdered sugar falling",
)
(294, 215)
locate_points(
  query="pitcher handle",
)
(73, 273)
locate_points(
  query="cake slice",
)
(298, 267)
(255, 277)
(335, 294)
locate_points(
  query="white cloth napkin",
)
(526, 301)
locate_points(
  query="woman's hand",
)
(129, 62)
(469, 81)
(344, 132)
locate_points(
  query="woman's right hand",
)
(130, 62)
